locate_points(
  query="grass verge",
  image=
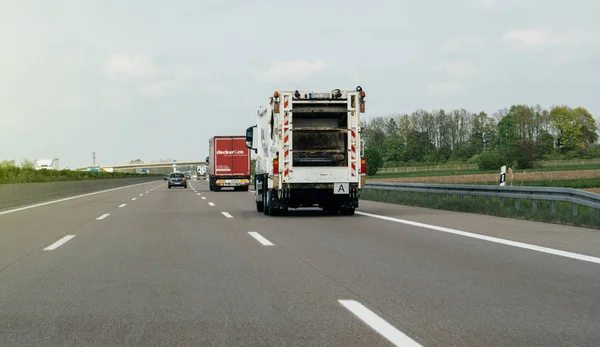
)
(480, 172)
(586, 216)
(20, 175)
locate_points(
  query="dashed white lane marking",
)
(103, 216)
(133, 199)
(141, 194)
(260, 238)
(211, 204)
(122, 205)
(66, 199)
(198, 194)
(541, 249)
(203, 198)
(147, 192)
(378, 324)
(226, 214)
(59, 243)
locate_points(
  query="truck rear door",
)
(241, 157)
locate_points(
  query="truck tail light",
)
(275, 166)
(276, 102)
(363, 166)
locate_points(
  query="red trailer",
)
(228, 163)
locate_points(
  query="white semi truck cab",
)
(309, 151)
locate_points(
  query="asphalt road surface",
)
(151, 266)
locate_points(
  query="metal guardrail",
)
(574, 196)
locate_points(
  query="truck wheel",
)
(331, 209)
(347, 211)
(266, 196)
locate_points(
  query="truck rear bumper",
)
(322, 194)
(232, 182)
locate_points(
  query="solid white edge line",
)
(122, 205)
(378, 324)
(211, 204)
(260, 238)
(103, 216)
(67, 199)
(541, 249)
(226, 214)
(203, 198)
(59, 243)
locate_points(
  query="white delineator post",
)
(503, 176)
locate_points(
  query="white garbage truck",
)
(309, 151)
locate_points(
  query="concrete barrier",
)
(15, 195)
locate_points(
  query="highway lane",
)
(179, 267)
(447, 289)
(24, 232)
(169, 269)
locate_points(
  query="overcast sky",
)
(156, 79)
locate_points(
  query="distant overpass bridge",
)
(174, 165)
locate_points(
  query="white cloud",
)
(543, 38)
(452, 45)
(69, 103)
(488, 4)
(158, 87)
(459, 69)
(136, 67)
(444, 88)
(293, 71)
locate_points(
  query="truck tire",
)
(266, 204)
(349, 211)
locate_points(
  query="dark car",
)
(166, 178)
(177, 179)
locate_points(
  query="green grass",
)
(577, 183)
(479, 172)
(20, 175)
(586, 216)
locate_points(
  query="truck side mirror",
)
(249, 137)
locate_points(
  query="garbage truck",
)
(309, 151)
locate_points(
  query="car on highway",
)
(177, 179)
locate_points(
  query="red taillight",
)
(275, 166)
(363, 166)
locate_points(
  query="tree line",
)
(515, 136)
